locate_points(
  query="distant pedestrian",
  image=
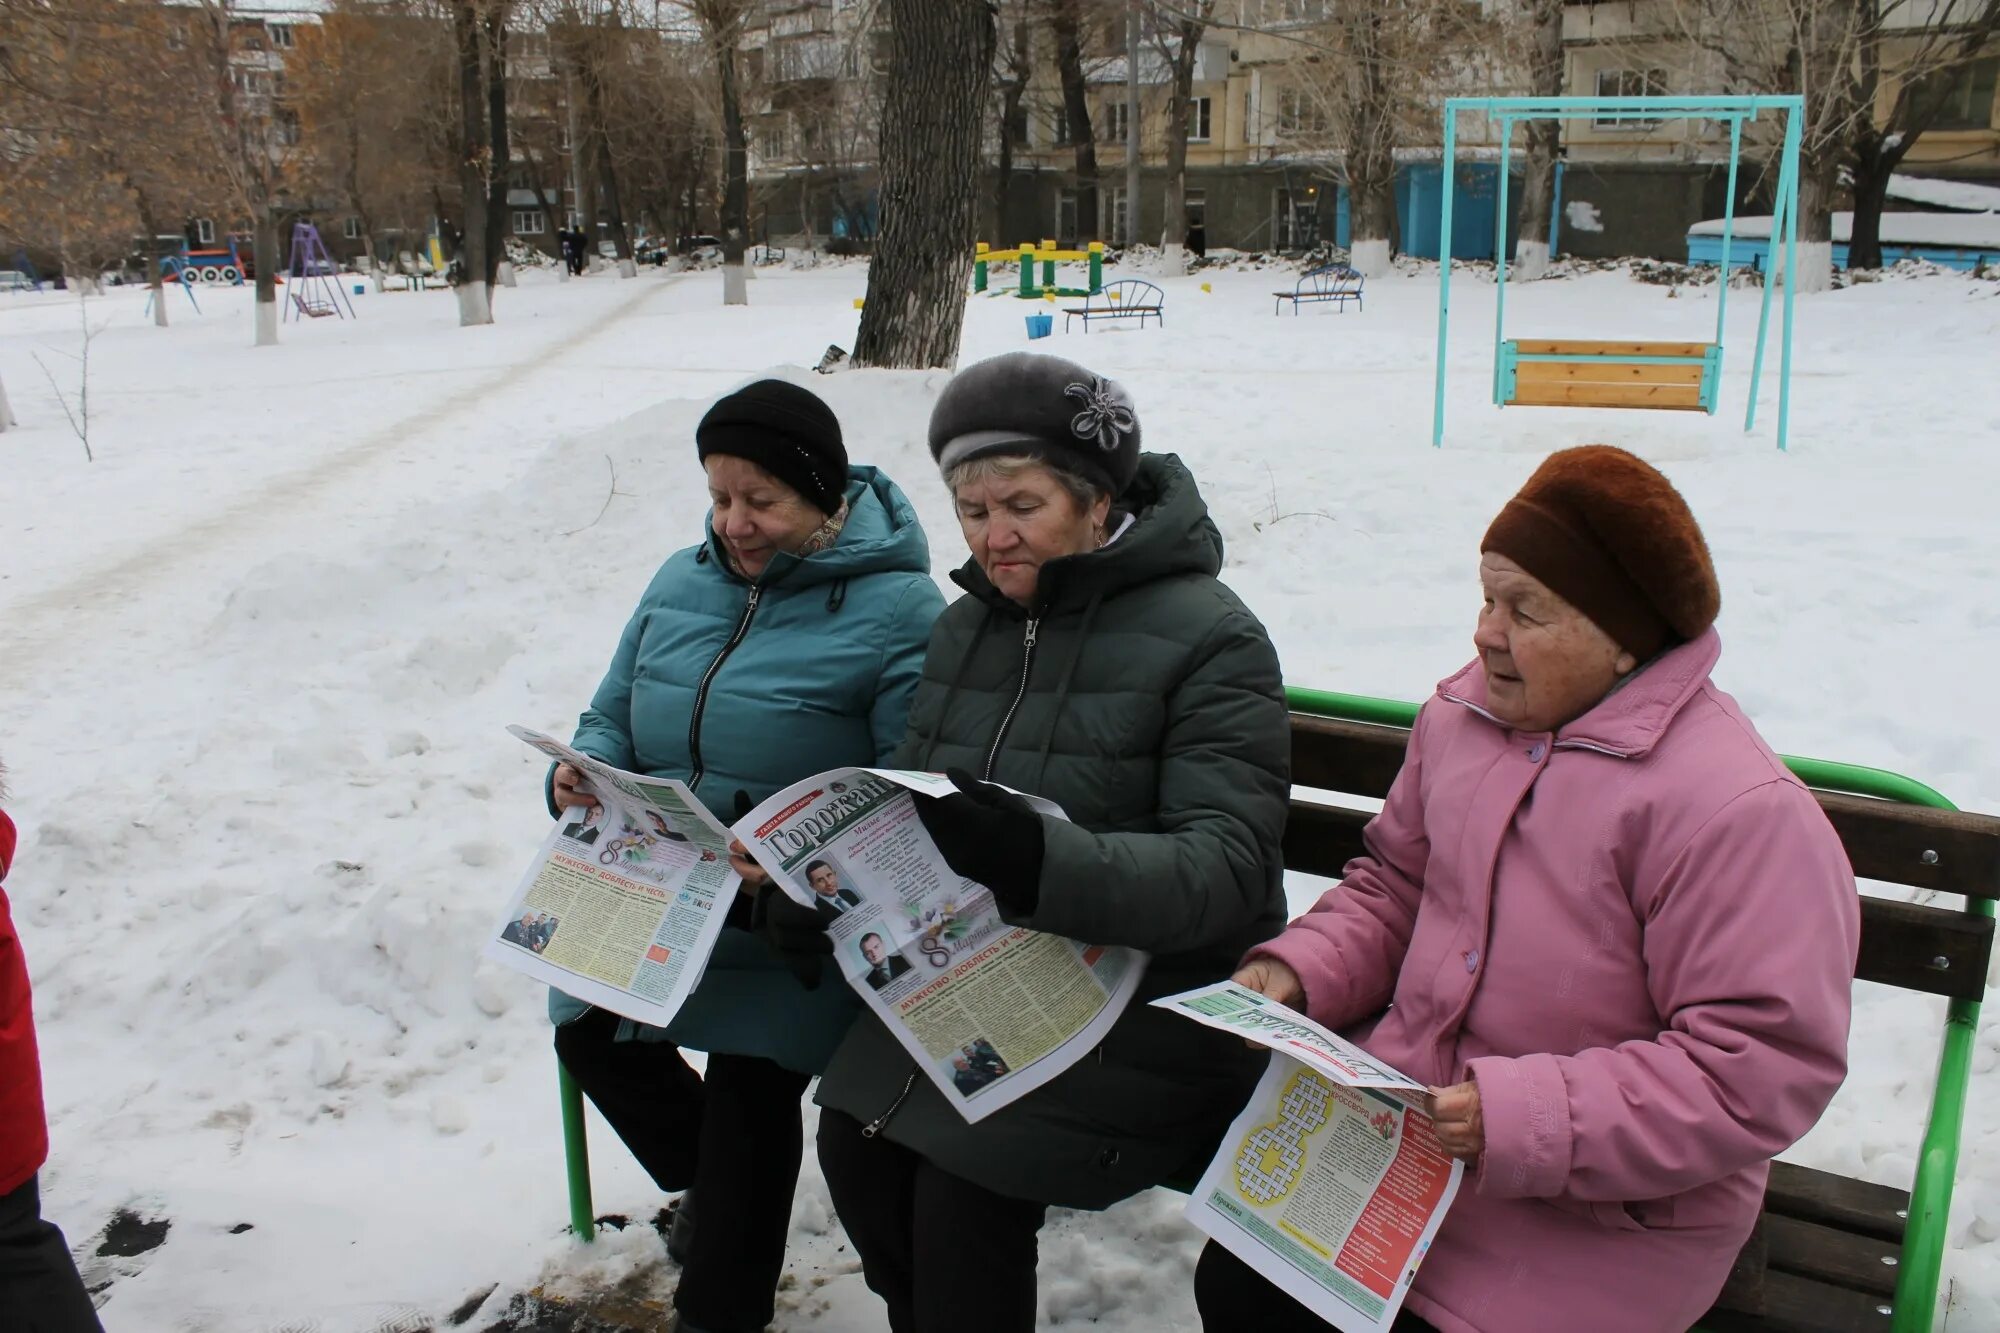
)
(39, 1285)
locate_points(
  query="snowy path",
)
(226, 528)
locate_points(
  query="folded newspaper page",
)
(622, 905)
(1331, 1183)
(989, 1011)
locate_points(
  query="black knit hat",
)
(1043, 407)
(785, 430)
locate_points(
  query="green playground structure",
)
(1048, 256)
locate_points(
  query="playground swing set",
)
(1672, 376)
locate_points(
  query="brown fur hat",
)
(1612, 537)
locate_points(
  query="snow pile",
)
(260, 655)
(1960, 196)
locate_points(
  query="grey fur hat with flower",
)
(1043, 407)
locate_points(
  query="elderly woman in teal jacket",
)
(789, 642)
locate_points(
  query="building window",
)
(528, 222)
(1066, 231)
(1300, 113)
(1198, 120)
(204, 231)
(1249, 115)
(777, 140)
(1295, 219)
(1197, 208)
(281, 35)
(1294, 11)
(1629, 83)
(285, 124)
(1964, 96)
(1116, 121)
(1059, 125)
(351, 229)
(1114, 216)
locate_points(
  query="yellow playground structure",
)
(1048, 256)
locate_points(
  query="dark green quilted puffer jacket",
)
(1153, 713)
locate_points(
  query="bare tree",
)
(1937, 44)
(1179, 34)
(1066, 21)
(1542, 25)
(940, 64)
(479, 40)
(1013, 69)
(722, 25)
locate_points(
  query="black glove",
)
(989, 834)
(796, 934)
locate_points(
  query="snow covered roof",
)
(1951, 229)
(1963, 196)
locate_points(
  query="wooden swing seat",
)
(1567, 373)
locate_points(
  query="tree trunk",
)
(1871, 169)
(1371, 151)
(1544, 141)
(7, 420)
(736, 180)
(1174, 225)
(940, 60)
(155, 282)
(1819, 174)
(264, 248)
(493, 68)
(1076, 111)
(475, 160)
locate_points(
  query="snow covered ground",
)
(259, 654)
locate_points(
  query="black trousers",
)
(946, 1255)
(40, 1291)
(1232, 1298)
(735, 1139)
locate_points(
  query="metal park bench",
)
(1127, 298)
(1329, 282)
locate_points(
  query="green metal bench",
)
(1830, 1254)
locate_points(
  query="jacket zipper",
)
(874, 1127)
(1027, 664)
(707, 679)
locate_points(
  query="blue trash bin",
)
(1040, 326)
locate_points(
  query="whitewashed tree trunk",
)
(475, 304)
(1370, 258)
(6, 413)
(1531, 259)
(506, 274)
(267, 323)
(1815, 266)
(1176, 257)
(160, 307)
(628, 268)
(735, 290)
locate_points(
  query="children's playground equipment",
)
(1048, 256)
(315, 289)
(217, 266)
(1659, 375)
(173, 269)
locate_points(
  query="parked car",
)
(13, 280)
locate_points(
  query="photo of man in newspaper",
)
(531, 932)
(883, 966)
(831, 898)
(586, 826)
(975, 1066)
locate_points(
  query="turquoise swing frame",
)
(1510, 355)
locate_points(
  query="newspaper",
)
(622, 905)
(989, 1011)
(1331, 1183)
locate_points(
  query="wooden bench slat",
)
(1794, 1304)
(1346, 756)
(1667, 397)
(1887, 840)
(1585, 347)
(1902, 945)
(1606, 372)
(1828, 1254)
(1821, 1197)
(1322, 839)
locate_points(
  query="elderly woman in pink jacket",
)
(1601, 918)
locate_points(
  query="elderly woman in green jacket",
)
(788, 642)
(1097, 661)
